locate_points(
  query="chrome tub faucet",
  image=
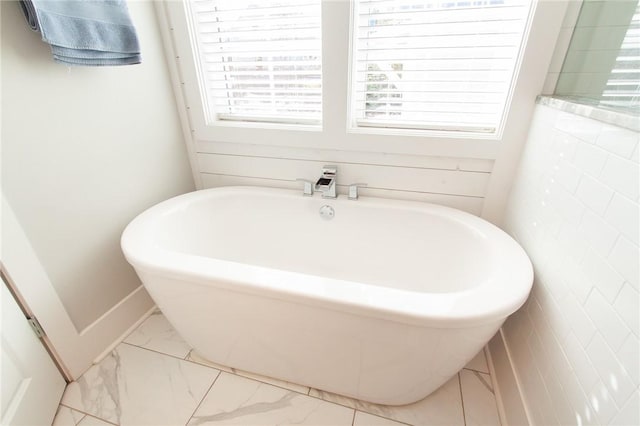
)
(327, 182)
(308, 187)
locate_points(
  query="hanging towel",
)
(85, 32)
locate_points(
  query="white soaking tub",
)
(384, 301)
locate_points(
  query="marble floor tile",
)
(442, 407)
(135, 386)
(365, 419)
(479, 363)
(93, 421)
(235, 400)
(157, 334)
(67, 417)
(193, 356)
(478, 399)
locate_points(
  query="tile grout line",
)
(99, 418)
(484, 382)
(464, 416)
(473, 369)
(353, 419)
(86, 414)
(203, 397)
(386, 418)
(356, 408)
(615, 299)
(163, 353)
(72, 409)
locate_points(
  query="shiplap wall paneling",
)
(454, 188)
(327, 155)
(452, 182)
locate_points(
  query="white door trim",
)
(22, 304)
(31, 384)
(77, 349)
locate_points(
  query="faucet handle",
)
(308, 187)
(353, 190)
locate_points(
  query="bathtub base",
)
(369, 359)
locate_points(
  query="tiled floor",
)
(153, 378)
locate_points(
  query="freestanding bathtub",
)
(382, 301)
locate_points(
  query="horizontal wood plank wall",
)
(454, 182)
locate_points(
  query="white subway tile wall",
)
(574, 208)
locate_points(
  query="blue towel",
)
(85, 32)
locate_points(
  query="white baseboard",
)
(75, 351)
(132, 299)
(124, 335)
(101, 336)
(112, 327)
(512, 408)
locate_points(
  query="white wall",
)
(84, 150)
(455, 182)
(470, 174)
(574, 208)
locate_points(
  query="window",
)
(260, 59)
(406, 77)
(622, 89)
(602, 63)
(438, 64)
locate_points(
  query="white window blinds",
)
(261, 59)
(435, 64)
(623, 86)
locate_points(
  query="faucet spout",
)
(327, 182)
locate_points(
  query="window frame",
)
(426, 129)
(336, 132)
(210, 108)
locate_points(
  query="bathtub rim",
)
(442, 310)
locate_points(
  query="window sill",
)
(576, 106)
